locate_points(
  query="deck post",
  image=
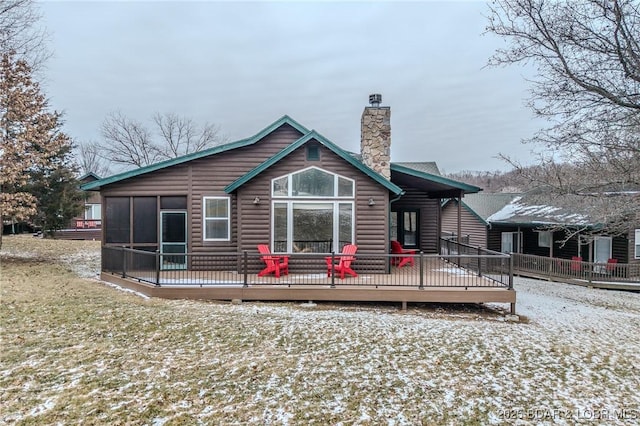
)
(124, 262)
(511, 273)
(421, 286)
(479, 261)
(245, 269)
(332, 270)
(513, 309)
(158, 268)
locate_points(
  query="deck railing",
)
(428, 270)
(86, 224)
(575, 270)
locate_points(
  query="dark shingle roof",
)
(486, 204)
(425, 166)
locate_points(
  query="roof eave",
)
(96, 185)
(466, 188)
(393, 188)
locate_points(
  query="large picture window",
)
(217, 223)
(313, 183)
(301, 224)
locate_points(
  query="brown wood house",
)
(286, 186)
(88, 225)
(510, 223)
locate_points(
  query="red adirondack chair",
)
(400, 261)
(344, 262)
(576, 264)
(275, 264)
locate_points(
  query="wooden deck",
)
(317, 287)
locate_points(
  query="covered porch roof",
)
(421, 177)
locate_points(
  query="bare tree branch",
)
(129, 143)
(90, 161)
(21, 34)
(587, 85)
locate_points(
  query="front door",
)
(601, 249)
(173, 240)
(404, 228)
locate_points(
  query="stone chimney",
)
(375, 139)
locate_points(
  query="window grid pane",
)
(216, 218)
(313, 183)
(216, 208)
(345, 187)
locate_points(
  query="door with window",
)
(510, 242)
(173, 240)
(601, 249)
(404, 228)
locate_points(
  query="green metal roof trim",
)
(435, 178)
(330, 145)
(200, 154)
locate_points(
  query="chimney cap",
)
(375, 99)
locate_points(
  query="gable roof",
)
(521, 212)
(96, 185)
(441, 182)
(429, 167)
(92, 176)
(313, 135)
(483, 205)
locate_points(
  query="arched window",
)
(312, 211)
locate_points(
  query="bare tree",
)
(90, 161)
(182, 136)
(21, 33)
(126, 142)
(129, 143)
(587, 56)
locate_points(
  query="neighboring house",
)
(286, 186)
(474, 211)
(88, 226)
(510, 223)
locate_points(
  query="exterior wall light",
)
(372, 202)
(256, 200)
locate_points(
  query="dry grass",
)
(77, 351)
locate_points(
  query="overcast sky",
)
(244, 65)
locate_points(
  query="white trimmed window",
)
(313, 212)
(93, 211)
(511, 242)
(217, 222)
(637, 244)
(312, 182)
(602, 249)
(545, 238)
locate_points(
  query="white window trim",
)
(637, 245)
(517, 249)
(92, 207)
(336, 185)
(336, 218)
(595, 242)
(204, 218)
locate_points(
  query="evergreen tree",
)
(30, 140)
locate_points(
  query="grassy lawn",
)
(75, 350)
